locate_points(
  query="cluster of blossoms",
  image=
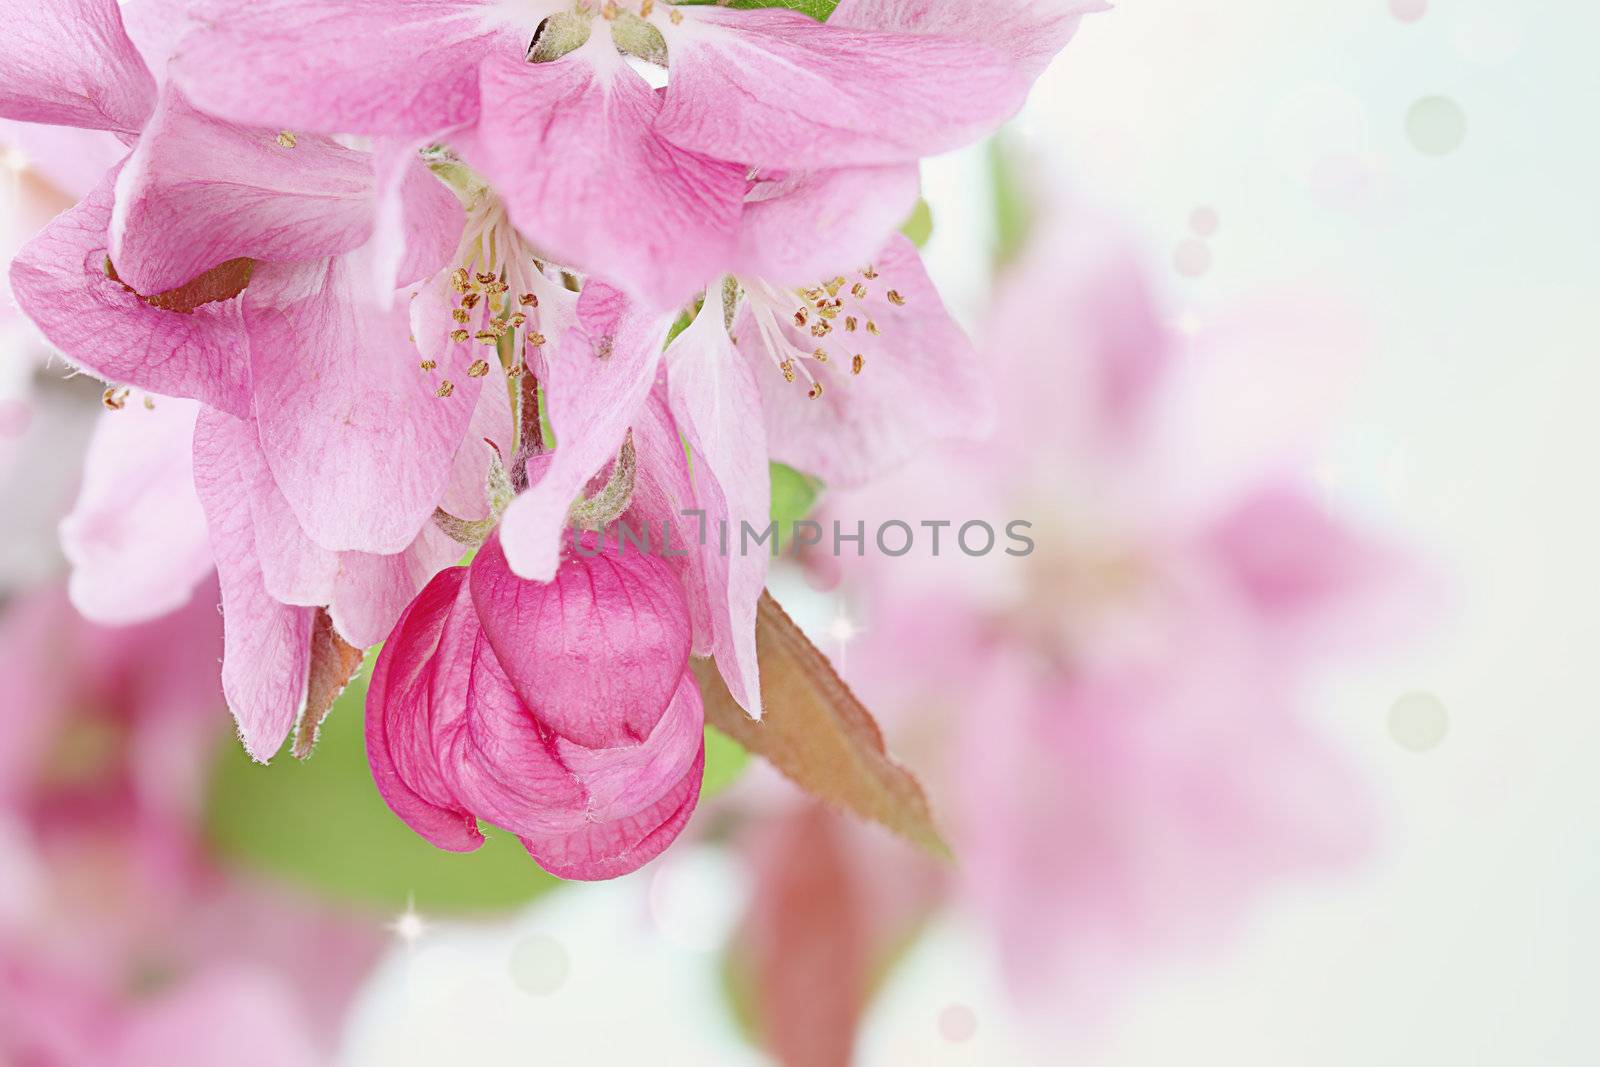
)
(374, 280)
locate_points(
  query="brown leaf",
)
(333, 663)
(817, 733)
(222, 282)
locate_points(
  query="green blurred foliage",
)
(1014, 213)
(793, 496)
(919, 227)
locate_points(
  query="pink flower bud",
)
(564, 712)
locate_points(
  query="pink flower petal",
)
(920, 382)
(136, 538)
(778, 89)
(266, 644)
(1030, 32)
(416, 689)
(345, 66)
(352, 430)
(716, 403)
(611, 849)
(198, 191)
(598, 651)
(572, 146)
(244, 1018)
(811, 225)
(70, 63)
(595, 382)
(60, 280)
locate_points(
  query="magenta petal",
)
(418, 684)
(60, 280)
(572, 147)
(595, 382)
(621, 782)
(596, 652)
(612, 849)
(344, 66)
(266, 644)
(136, 538)
(716, 404)
(352, 430)
(1030, 32)
(198, 191)
(70, 63)
(778, 89)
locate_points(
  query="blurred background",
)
(1278, 749)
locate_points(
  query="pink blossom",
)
(1126, 767)
(564, 712)
(606, 173)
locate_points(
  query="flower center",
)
(822, 324)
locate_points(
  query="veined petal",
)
(662, 498)
(598, 651)
(424, 668)
(716, 404)
(294, 569)
(776, 88)
(198, 191)
(101, 325)
(70, 63)
(811, 224)
(352, 429)
(572, 147)
(611, 849)
(418, 221)
(136, 538)
(1030, 32)
(371, 591)
(622, 782)
(344, 66)
(595, 383)
(266, 644)
(920, 381)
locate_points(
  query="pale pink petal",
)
(101, 325)
(240, 1017)
(418, 686)
(920, 381)
(1030, 32)
(136, 538)
(419, 219)
(294, 569)
(70, 63)
(803, 227)
(71, 159)
(597, 652)
(353, 431)
(198, 191)
(156, 27)
(572, 147)
(778, 89)
(371, 591)
(596, 379)
(346, 66)
(663, 498)
(266, 644)
(716, 404)
(611, 849)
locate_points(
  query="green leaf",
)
(322, 825)
(919, 227)
(726, 760)
(817, 9)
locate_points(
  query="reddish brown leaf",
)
(333, 663)
(222, 282)
(817, 733)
